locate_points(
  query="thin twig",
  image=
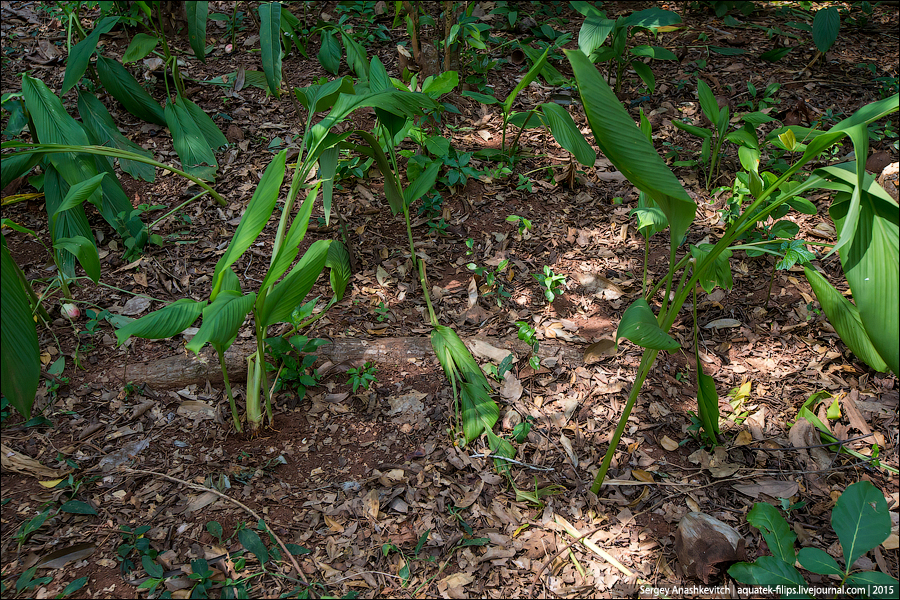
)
(512, 460)
(548, 562)
(201, 488)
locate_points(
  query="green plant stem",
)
(114, 153)
(667, 316)
(234, 414)
(647, 361)
(515, 142)
(646, 258)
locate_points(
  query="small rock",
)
(702, 541)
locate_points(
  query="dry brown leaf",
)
(596, 351)
(668, 443)
(470, 498)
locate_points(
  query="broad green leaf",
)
(775, 54)
(327, 168)
(865, 115)
(20, 365)
(163, 323)
(77, 507)
(379, 80)
(70, 223)
(623, 143)
(530, 76)
(656, 52)
(593, 32)
(525, 119)
(196, 156)
(356, 57)
(289, 248)
(646, 74)
(270, 42)
(290, 291)
(482, 98)
(86, 253)
(651, 18)
(818, 561)
(102, 127)
(330, 52)
(770, 572)
(708, 102)
(78, 193)
(125, 88)
(437, 86)
(258, 212)
(872, 268)
(250, 540)
(323, 97)
(338, 260)
(861, 520)
(479, 412)
(775, 531)
(222, 319)
(422, 184)
(214, 137)
(80, 55)
(707, 404)
(639, 325)
(825, 27)
(650, 219)
(17, 165)
(719, 273)
(880, 585)
(197, 13)
(547, 71)
(141, 45)
(567, 135)
(844, 316)
(391, 185)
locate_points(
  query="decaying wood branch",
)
(184, 369)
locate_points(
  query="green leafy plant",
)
(553, 116)
(861, 521)
(276, 300)
(498, 371)
(291, 373)
(404, 572)
(527, 334)
(133, 541)
(865, 217)
(522, 223)
(492, 280)
(596, 29)
(362, 376)
(712, 138)
(553, 285)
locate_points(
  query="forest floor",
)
(359, 478)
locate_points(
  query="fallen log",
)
(184, 369)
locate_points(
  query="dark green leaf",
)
(77, 507)
(196, 13)
(639, 325)
(141, 45)
(250, 540)
(125, 88)
(860, 519)
(20, 366)
(80, 55)
(270, 42)
(826, 25)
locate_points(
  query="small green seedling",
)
(527, 335)
(362, 376)
(553, 285)
(522, 223)
(861, 521)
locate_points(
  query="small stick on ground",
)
(201, 488)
